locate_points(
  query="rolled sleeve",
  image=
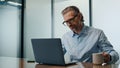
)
(114, 57)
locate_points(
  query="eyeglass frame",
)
(69, 21)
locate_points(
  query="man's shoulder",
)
(68, 34)
(95, 32)
(95, 29)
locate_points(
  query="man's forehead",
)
(69, 14)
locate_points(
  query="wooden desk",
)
(79, 65)
(9, 62)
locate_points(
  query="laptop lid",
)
(48, 51)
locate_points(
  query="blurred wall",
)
(37, 23)
(9, 31)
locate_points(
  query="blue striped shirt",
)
(90, 40)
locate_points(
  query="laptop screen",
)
(48, 51)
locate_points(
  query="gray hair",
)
(74, 9)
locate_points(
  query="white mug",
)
(97, 58)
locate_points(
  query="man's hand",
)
(106, 57)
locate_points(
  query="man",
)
(82, 41)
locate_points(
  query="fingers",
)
(106, 57)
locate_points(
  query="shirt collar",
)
(83, 31)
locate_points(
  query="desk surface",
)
(9, 62)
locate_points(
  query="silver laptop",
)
(49, 51)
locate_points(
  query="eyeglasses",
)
(70, 20)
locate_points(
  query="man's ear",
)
(79, 16)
